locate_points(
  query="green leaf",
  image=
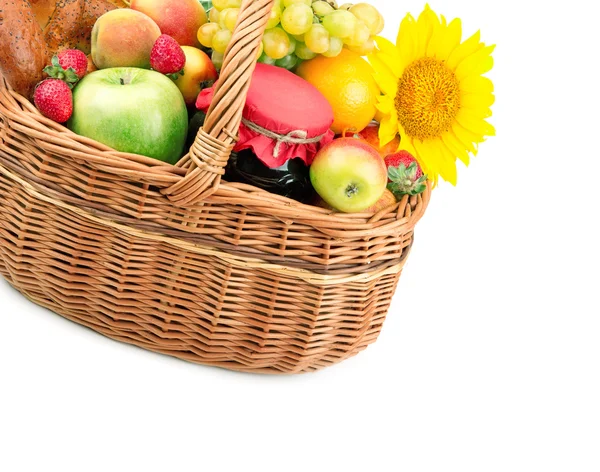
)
(207, 5)
(411, 172)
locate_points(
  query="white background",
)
(490, 357)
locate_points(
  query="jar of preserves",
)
(285, 122)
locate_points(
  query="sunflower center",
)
(428, 98)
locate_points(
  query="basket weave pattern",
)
(174, 260)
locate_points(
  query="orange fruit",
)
(347, 83)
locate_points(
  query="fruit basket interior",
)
(175, 260)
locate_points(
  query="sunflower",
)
(433, 92)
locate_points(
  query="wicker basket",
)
(174, 260)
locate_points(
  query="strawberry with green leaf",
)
(405, 175)
(69, 65)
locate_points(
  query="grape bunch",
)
(297, 30)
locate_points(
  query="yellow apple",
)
(199, 72)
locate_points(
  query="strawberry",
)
(405, 176)
(166, 56)
(54, 99)
(69, 65)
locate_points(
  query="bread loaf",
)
(64, 25)
(23, 50)
(70, 23)
(43, 10)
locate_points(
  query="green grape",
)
(360, 36)
(297, 18)
(340, 23)
(288, 62)
(228, 18)
(317, 39)
(217, 59)
(261, 49)
(221, 40)
(304, 53)
(364, 49)
(298, 37)
(206, 33)
(213, 15)
(287, 3)
(380, 25)
(293, 44)
(368, 14)
(321, 8)
(333, 3)
(264, 59)
(276, 43)
(335, 47)
(275, 17)
(222, 4)
(346, 6)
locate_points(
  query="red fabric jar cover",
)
(290, 112)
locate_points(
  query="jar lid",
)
(284, 117)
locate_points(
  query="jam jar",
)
(285, 122)
(291, 180)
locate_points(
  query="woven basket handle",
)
(210, 152)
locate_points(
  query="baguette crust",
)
(64, 23)
(23, 50)
(71, 23)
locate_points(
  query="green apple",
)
(131, 110)
(349, 175)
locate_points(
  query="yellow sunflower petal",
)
(449, 158)
(456, 147)
(478, 63)
(388, 128)
(428, 162)
(406, 143)
(468, 139)
(386, 46)
(476, 84)
(437, 162)
(478, 102)
(415, 150)
(407, 36)
(445, 39)
(386, 80)
(385, 104)
(386, 85)
(470, 46)
(392, 64)
(447, 162)
(426, 23)
(380, 64)
(474, 124)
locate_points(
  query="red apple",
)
(179, 19)
(371, 135)
(349, 175)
